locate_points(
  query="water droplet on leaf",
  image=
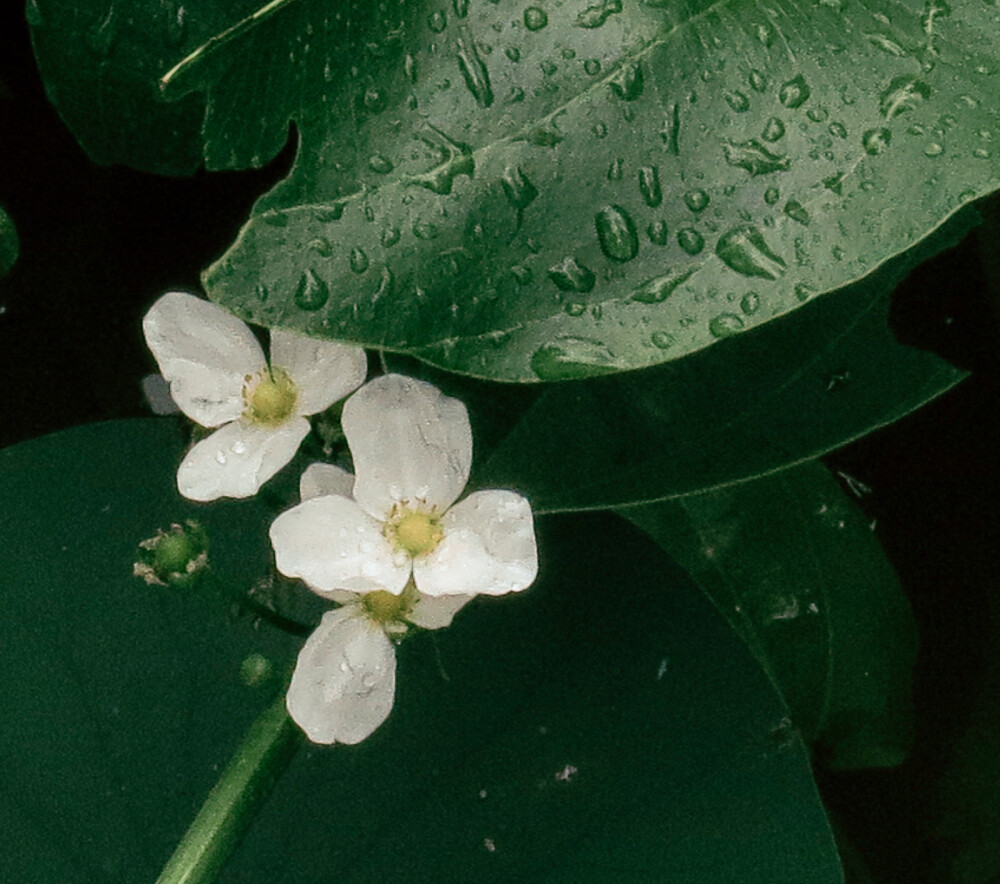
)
(518, 188)
(657, 232)
(754, 157)
(690, 240)
(358, 260)
(737, 101)
(570, 275)
(725, 324)
(535, 19)
(876, 141)
(616, 234)
(474, 72)
(773, 130)
(794, 93)
(649, 186)
(696, 200)
(312, 292)
(744, 250)
(656, 290)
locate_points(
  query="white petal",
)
(436, 613)
(345, 679)
(238, 458)
(205, 353)
(319, 479)
(488, 548)
(408, 442)
(323, 371)
(331, 543)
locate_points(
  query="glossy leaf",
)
(636, 740)
(792, 564)
(536, 192)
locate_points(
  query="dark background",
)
(98, 245)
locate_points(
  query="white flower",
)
(412, 450)
(345, 678)
(219, 377)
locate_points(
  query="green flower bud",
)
(173, 557)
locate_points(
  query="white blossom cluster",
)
(395, 546)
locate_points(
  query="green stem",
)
(229, 809)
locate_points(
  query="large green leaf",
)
(521, 191)
(793, 565)
(604, 726)
(785, 393)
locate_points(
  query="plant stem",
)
(230, 807)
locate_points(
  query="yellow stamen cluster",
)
(418, 533)
(384, 607)
(270, 397)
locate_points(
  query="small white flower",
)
(345, 678)
(412, 450)
(219, 377)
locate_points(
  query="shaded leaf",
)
(634, 742)
(793, 565)
(757, 403)
(10, 245)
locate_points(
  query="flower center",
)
(384, 607)
(270, 397)
(417, 533)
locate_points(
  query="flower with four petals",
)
(394, 547)
(345, 678)
(219, 377)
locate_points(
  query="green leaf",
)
(10, 245)
(574, 191)
(547, 191)
(793, 565)
(786, 393)
(604, 725)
